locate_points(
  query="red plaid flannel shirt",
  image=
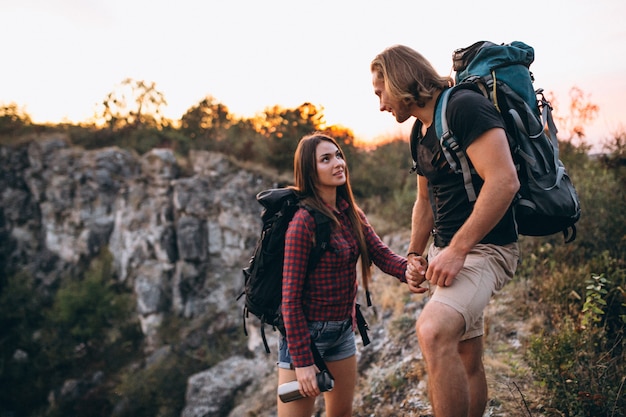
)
(329, 291)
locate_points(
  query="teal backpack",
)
(547, 202)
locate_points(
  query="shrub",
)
(581, 358)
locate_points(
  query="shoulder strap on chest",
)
(449, 144)
(414, 138)
(323, 230)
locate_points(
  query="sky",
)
(63, 57)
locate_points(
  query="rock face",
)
(213, 392)
(179, 235)
(178, 240)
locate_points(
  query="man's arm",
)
(492, 160)
(422, 220)
(421, 225)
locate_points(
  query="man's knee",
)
(433, 337)
(439, 324)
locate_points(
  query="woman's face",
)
(330, 165)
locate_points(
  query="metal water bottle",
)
(290, 391)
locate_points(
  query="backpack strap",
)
(319, 361)
(322, 238)
(449, 144)
(362, 325)
(414, 138)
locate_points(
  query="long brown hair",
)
(407, 75)
(306, 179)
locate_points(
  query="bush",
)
(580, 355)
(581, 358)
(13, 119)
(90, 311)
(20, 318)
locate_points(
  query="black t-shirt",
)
(469, 116)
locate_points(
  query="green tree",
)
(244, 142)
(133, 104)
(88, 318)
(12, 118)
(383, 171)
(283, 128)
(21, 317)
(206, 124)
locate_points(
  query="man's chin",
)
(402, 119)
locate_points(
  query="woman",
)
(321, 304)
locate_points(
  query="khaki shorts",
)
(486, 270)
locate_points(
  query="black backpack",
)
(263, 276)
(547, 201)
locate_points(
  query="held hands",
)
(307, 380)
(416, 273)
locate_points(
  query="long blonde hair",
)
(407, 75)
(306, 179)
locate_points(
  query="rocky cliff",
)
(179, 234)
(178, 241)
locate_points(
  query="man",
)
(474, 251)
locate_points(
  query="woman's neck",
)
(329, 196)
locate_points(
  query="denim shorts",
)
(334, 340)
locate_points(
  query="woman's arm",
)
(298, 246)
(381, 255)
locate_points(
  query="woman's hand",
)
(416, 273)
(307, 380)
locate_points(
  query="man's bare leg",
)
(439, 328)
(471, 352)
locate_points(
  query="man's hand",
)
(445, 266)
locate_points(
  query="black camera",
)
(290, 391)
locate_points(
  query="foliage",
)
(132, 104)
(594, 301)
(581, 111)
(581, 359)
(580, 355)
(158, 389)
(12, 118)
(283, 129)
(86, 310)
(384, 185)
(89, 322)
(206, 124)
(20, 316)
(379, 172)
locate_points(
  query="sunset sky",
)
(62, 57)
